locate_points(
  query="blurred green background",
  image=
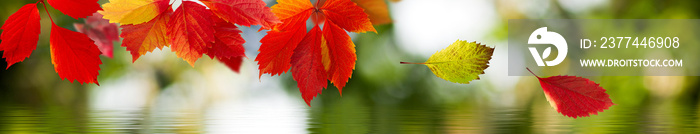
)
(160, 93)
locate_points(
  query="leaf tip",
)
(308, 103)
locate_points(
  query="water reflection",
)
(349, 117)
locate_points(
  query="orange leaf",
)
(191, 31)
(307, 66)
(377, 10)
(20, 34)
(76, 8)
(74, 55)
(143, 38)
(243, 12)
(289, 10)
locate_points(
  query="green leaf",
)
(460, 62)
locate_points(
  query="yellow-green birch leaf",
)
(460, 62)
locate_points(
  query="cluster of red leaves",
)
(319, 55)
(73, 54)
(193, 30)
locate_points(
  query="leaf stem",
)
(528, 69)
(47, 10)
(318, 2)
(410, 63)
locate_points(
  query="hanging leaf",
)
(228, 45)
(20, 34)
(307, 65)
(460, 62)
(191, 31)
(229, 42)
(74, 55)
(574, 96)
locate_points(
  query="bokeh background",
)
(161, 93)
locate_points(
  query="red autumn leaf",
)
(234, 63)
(243, 12)
(278, 45)
(76, 8)
(191, 31)
(329, 51)
(341, 51)
(145, 37)
(347, 15)
(74, 55)
(228, 47)
(307, 65)
(100, 31)
(228, 41)
(20, 34)
(574, 96)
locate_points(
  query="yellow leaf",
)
(133, 11)
(460, 62)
